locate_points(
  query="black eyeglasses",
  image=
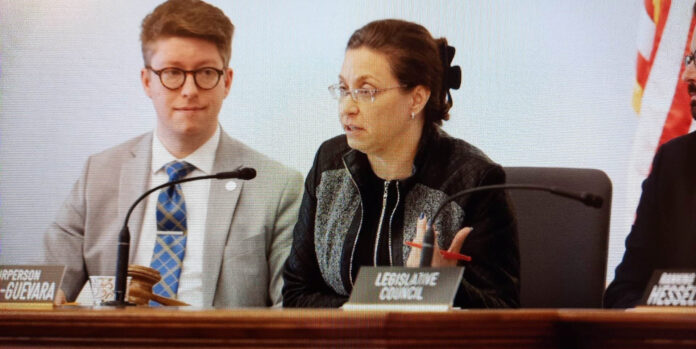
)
(205, 78)
(690, 58)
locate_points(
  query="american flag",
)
(660, 97)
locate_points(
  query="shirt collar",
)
(203, 157)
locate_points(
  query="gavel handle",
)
(166, 301)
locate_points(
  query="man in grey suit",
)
(236, 234)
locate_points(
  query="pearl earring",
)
(413, 116)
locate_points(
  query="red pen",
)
(445, 254)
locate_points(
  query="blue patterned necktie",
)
(171, 217)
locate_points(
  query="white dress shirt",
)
(196, 198)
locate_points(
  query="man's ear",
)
(146, 81)
(228, 75)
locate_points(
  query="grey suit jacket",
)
(248, 229)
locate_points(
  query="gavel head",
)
(144, 278)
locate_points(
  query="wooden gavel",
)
(140, 288)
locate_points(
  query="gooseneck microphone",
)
(244, 173)
(588, 199)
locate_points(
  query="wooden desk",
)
(157, 327)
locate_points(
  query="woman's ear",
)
(419, 98)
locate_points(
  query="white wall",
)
(545, 83)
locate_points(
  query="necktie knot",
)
(178, 169)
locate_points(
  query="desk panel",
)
(167, 327)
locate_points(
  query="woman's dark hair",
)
(416, 58)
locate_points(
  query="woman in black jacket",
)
(373, 188)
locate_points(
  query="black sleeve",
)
(633, 274)
(304, 285)
(492, 278)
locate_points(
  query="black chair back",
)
(563, 243)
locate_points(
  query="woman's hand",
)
(438, 260)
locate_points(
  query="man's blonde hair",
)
(187, 18)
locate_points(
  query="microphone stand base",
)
(118, 304)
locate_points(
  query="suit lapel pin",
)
(231, 185)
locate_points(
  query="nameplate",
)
(401, 288)
(671, 288)
(29, 284)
